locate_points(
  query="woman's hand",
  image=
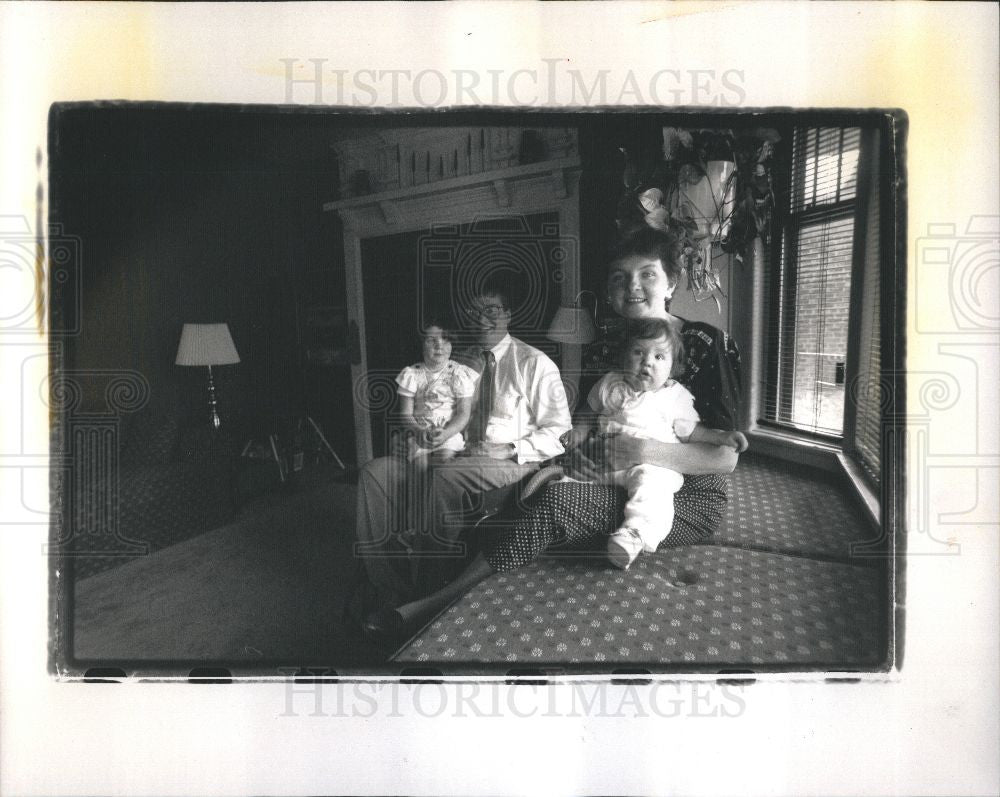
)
(580, 467)
(622, 452)
(738, 441)
(587, 461)
(601, 454)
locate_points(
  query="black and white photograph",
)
(579, 393)
(499, 398)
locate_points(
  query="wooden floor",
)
(265, 592)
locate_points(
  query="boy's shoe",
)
(624, 546)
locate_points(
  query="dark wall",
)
(193, 216)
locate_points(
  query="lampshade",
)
(206, 344)
(572, 325)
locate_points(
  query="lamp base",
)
(212, 404)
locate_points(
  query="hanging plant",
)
(704, 187)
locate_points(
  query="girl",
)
(435, 399)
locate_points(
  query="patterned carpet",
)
(706, 605)
(760, 594)
(169, 485)
(783, 508)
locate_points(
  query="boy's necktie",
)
(484, 407)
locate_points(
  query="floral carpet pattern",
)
(704, 604)
(756, 596)
(782, 508)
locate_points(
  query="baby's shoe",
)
(624, 546)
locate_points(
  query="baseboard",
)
(862, 489)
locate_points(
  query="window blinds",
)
(809, 291)
(868, 390)
(824, 167)
(814, 361)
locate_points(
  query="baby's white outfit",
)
(434, 394)
(649, 414)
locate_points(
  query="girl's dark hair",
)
(655, 329)
(650, 243)
(447, 330)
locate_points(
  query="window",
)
(809, 291)
(863, 419)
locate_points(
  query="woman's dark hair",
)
(655, 329)
(649, 243)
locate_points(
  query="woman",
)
(642, 277)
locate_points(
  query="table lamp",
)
(573, 324)
(207, 345)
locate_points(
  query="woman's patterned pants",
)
(578, 517)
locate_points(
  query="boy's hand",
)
(400, 444)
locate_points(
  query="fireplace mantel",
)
(533, 188)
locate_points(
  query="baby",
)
(642, 400)
(435, 398)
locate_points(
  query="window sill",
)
(793, 448)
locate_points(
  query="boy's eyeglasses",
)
(488, 310)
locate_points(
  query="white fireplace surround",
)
(518, 190)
